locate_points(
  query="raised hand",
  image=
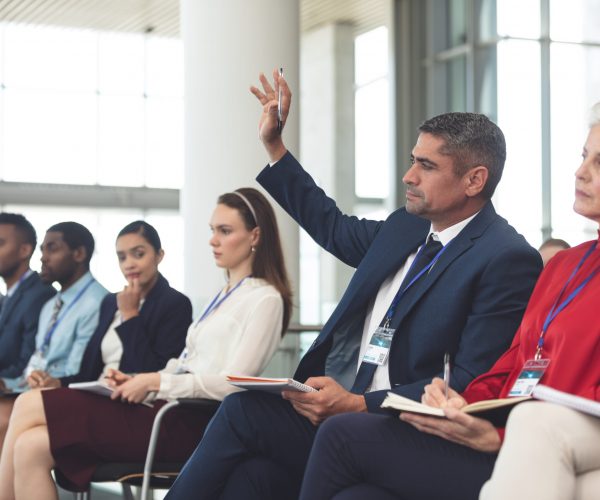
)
(267, 127)
(128, 300)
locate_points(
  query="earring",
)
(252, 249)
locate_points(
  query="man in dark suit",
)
(443, 274)
(26, 294)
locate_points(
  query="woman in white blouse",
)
(73, 431)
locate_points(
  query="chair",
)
(149, 474)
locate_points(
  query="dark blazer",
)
(19, 324)
(149, 340)
(470, 304)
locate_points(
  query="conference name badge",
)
(533, 370)
(379, 346)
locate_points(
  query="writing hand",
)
(128, 300)
(434, 396)
(267, 127)
(330, 400)
(458, 427)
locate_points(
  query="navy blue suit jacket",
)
(19, 324)
(470, 304)
(149, 340)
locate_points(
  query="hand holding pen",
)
(275, 100)
(434, 395)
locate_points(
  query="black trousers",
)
(357, 456)
(255, 447)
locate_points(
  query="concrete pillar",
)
(226, 44)
(327, 149)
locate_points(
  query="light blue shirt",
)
(76, 324)
(75, 327)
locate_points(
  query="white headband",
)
(245, 200)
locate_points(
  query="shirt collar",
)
(11, 291)
(75, 288)
(448, 234)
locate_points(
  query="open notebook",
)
(396, 402)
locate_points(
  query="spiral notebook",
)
(545, 393)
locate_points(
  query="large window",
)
(82, 107)
(533, 66)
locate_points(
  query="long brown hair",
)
(268, 262)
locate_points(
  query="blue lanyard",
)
(50, 332)
(216, 302)
(402, 291)
(556, 307)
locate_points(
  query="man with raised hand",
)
(444, 274)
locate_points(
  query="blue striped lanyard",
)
(50, 332)
(216, 302)
(556, 307)
(390, 312)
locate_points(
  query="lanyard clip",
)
(387, 322)
(538, 354)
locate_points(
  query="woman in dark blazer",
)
(139, 328)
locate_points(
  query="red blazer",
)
(572, 341)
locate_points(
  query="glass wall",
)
(83, 107)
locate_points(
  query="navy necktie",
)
(365, 373)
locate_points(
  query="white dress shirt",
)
(387, 291)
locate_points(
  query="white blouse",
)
(238, 337)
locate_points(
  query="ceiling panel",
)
(161, 17)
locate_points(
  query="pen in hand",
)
(446, 374)
(279, 114)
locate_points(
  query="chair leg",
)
(127, 493)
(82, 495)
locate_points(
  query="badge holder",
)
(533, 370)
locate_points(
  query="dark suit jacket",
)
(149, 340)
(470, 304)
(19, 323)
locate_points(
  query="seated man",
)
(66, 321)
(26, 294)
(443, 274)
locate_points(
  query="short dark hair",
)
(555, 242)
(23, 227)
(76, 235)
(145, 230)
(471, 139)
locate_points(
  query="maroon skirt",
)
(86, 430)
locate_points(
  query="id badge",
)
(379, 346)
(533, 370)
(36, 362)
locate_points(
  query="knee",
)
(28, 403)
(340, 428)
(31, 448)
(526, 416)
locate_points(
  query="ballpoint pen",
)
(279, 117)
(446, 374)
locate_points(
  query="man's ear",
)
(80, 254)
(25, 251)
(475, 180)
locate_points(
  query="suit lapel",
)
(460, 244)
(383, 259)
(11, 302)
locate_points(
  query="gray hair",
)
(595, 115)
